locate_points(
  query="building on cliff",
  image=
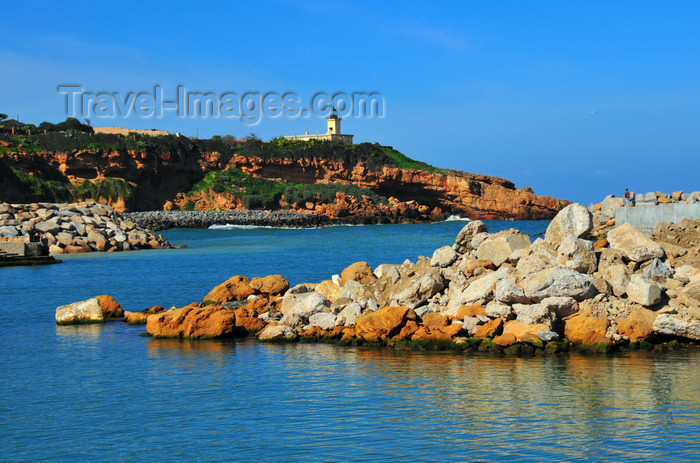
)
(126, 132)
(333, 132)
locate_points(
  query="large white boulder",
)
(498, 247)
(633, 244)
(88, 311)
(574, 220)
(643, 291)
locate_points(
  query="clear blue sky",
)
(574, 99)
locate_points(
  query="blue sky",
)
(574, 99)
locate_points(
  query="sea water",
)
(104, 393)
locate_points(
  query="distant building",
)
(125, 132)
(333, 133)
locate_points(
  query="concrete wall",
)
(645, 218)
(24, 249)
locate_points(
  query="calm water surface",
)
(103, 393)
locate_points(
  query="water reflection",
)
(85, 332)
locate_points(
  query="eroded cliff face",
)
(452, 192)
(159, 179)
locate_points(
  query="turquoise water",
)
(102, 393)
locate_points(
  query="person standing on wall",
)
(627, 197)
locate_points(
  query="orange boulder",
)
(638, 326)
(383, 323)
(236, 288)
(110, 307)
(505, 340)
(193, 322)
(470, 311)
(490, 329)
(578, 327)
(360, 272)
(271, 284)
(435, 320)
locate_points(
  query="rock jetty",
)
(163, 220)
(75, 228)
(493, 292)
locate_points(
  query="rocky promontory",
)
(75, 228)
(495, 292)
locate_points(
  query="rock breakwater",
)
(75, 228)
(163, 220)
(494, 292)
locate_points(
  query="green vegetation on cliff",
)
(261, 193)
(71, 135)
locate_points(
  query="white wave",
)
(456, 218)
(230, 226)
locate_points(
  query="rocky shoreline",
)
(164, 220)
(486, 292)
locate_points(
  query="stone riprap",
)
(163, 220)
(542, 296)
(75, 228)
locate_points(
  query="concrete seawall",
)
(645, 218)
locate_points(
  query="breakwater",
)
(492, 292)
(164, 220)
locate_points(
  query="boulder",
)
(609, 204)
(478, 290)
(329, 290)
(505, 340)
(474, 267)
(236, 288)
(463, 243)
(498, 247)
(277, 333)
(474, 310)
(689, 296)
(110, 307)
(304, 304)
(638, 326)
(560, 307)
(674, 325)
(495, 309)
(558, 281)
(270, 285)
(507, 291)
(360, 272)
(579, 327)
(443, 257)
(633, 244)
(577, 254)
(248, 325)
(193, 322)
(8, 231)
(389, 271)
(324, 320)
(656, 271)
(385, 322)
(524, 332)
(643, 291)
(435, 320)
(88, 311)
(349, 314)
(574, 220)
(135, 318)
(420, 289)
(532, 314)
(618, 276)
(351, 290)
(490, 329)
